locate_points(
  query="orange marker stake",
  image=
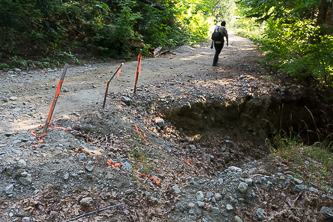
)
(116, 165)
(136, 129)
(142, 174)
(157, 182)
(138, 71)
(110, 161)
(108, 83)
(189, 163)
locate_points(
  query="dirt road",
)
(85, 85)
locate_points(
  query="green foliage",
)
(296, 36)
(3, 65)
(300, 50)
(111, 28)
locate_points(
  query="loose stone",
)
(66, 176)
(87, 201)
(9, 189)
(242, 187)
(126, 100)
(190, 205)
(217, 196)
(200, 196)
(176, 189)
(200, 204)
(82, 157)
(260, 213)
(209, 194)
(229, 207)
(26, 180)
(238, 219)
(300, 187)
(90, 166)
(128, 167)
(21, 164)
(215, 210)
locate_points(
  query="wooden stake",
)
(48, 120)
(138, 71)
(108, 83)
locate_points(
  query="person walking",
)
(218, 44)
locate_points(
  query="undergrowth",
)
(313, 164)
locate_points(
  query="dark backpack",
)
(217, 36)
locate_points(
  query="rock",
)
(215, 210)
(200, 196)
(160, 122)
(109, 176)
(245, 175)
(5, 100)
(209, 194)
(249, 181)
(176, 189)
(201, 204)
(26, 180)
(9, 189)
(253, 170)
(234, 169)
(17, 70)
(13, 98)
(261, 214)
(90, 166)
(87, 201)
(193, 147)
(82, 157)
(128, 167)
(23, 213)
(19, 172)
(21, 164)
(229, 207)
(66, 176)
(220, 180)
(300, 187)
(26, 219)
(238, 219)
(298, 181)
(123, 160)
(190, 205)
(129, 191)
(314, 190)
(326, 212)
(242, 187)
(126, 100)
(217, 196)
(65, 89)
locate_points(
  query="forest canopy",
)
(113, 28)
(296, 35)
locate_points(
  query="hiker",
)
(219, 40)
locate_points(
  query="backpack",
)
(217, 35)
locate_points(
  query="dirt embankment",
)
(215, 118)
